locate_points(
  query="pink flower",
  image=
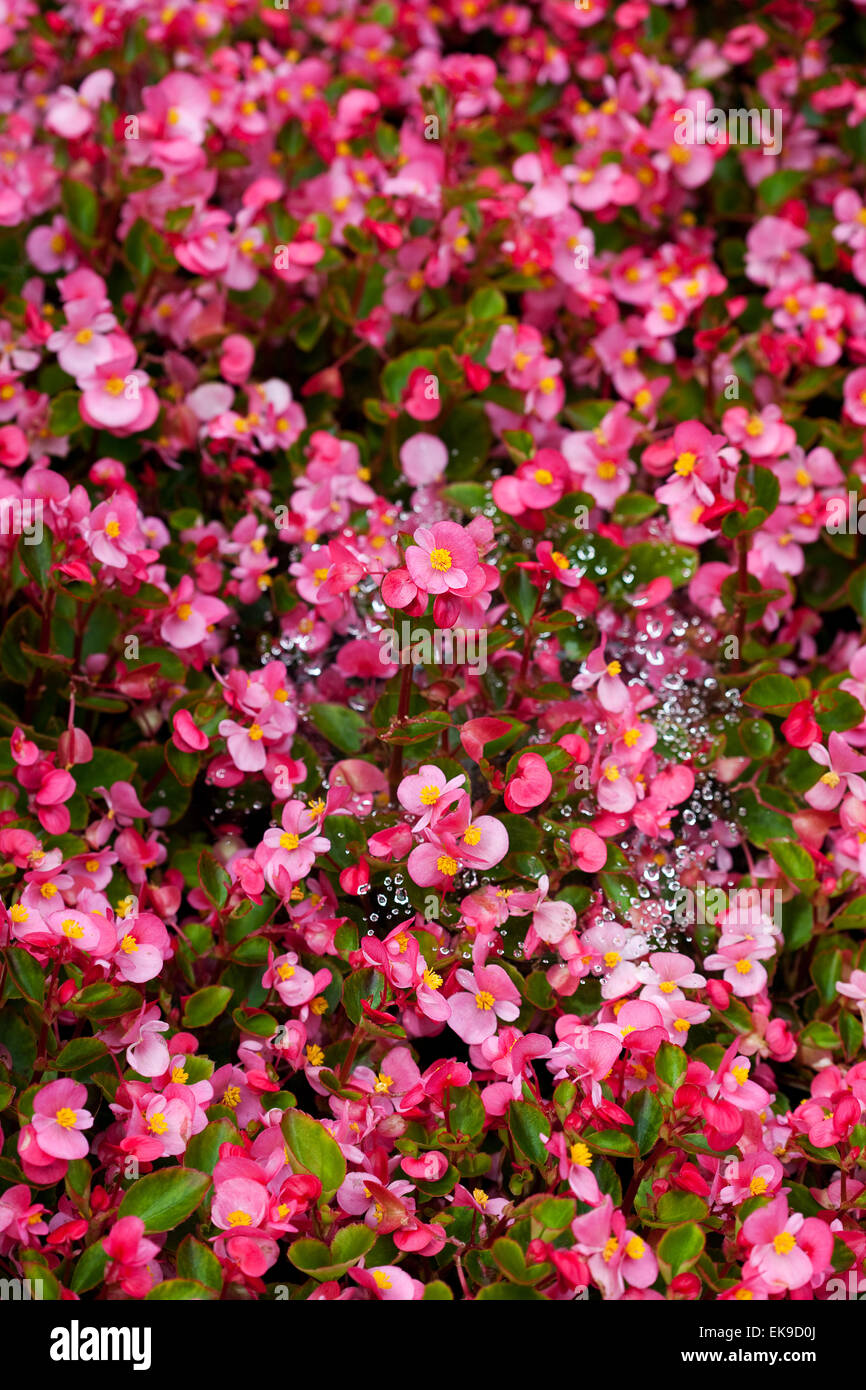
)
(423, 791)
(59, 1117)
(421, 396)
(612, 692)
(442, 558)
(288, 854)
(489, 995)
(115, 396)
(530, 785)
(190, 615)
(589, 849)
(617, 1256)
(843, 766)
(741, 963)
(424, 459)
(788, 1250)
(186, 735)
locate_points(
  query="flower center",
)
(440, 559)
(484, 1000)
(685, 464)
(580, 1155)
(289, 841)
(784, 1243)
(65, 1117)
(446, 865)
(429, 796)
(114, 385)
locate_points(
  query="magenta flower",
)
(530, 785)
(422, 792)
(843, 766)
(489, 995)
(59, 1116)
(190, 616)
(612, 692)
(788, 1249)
(443, 558)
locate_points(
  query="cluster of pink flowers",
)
(337, 962)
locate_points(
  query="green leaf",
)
(105, 767)
(81, 207)
(757, 738)
(361, 984)
(679, 1248)
(820, 1035)
(205, 1005)
(165, 1198)
(196, 1261)
(486, 304)
(521, 593)
(81, 1052)
(202, 1151)
(651, 561)
(467, 1111)
(671, 1064)
(779, 186)
(527, 1124)
(351, 1243)
(90, 1269)
(837, 710)
(36, 559)
(498, 1293)
(213, 879)
(436, 1291)
(774, 692)
(648, 1115)
(792, 859)
(340, 725)
(681, 1206)
(555, 1213)
(826, 971)
(180, 1291)
(315, 1151)
(634, 507)
(26, 973)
